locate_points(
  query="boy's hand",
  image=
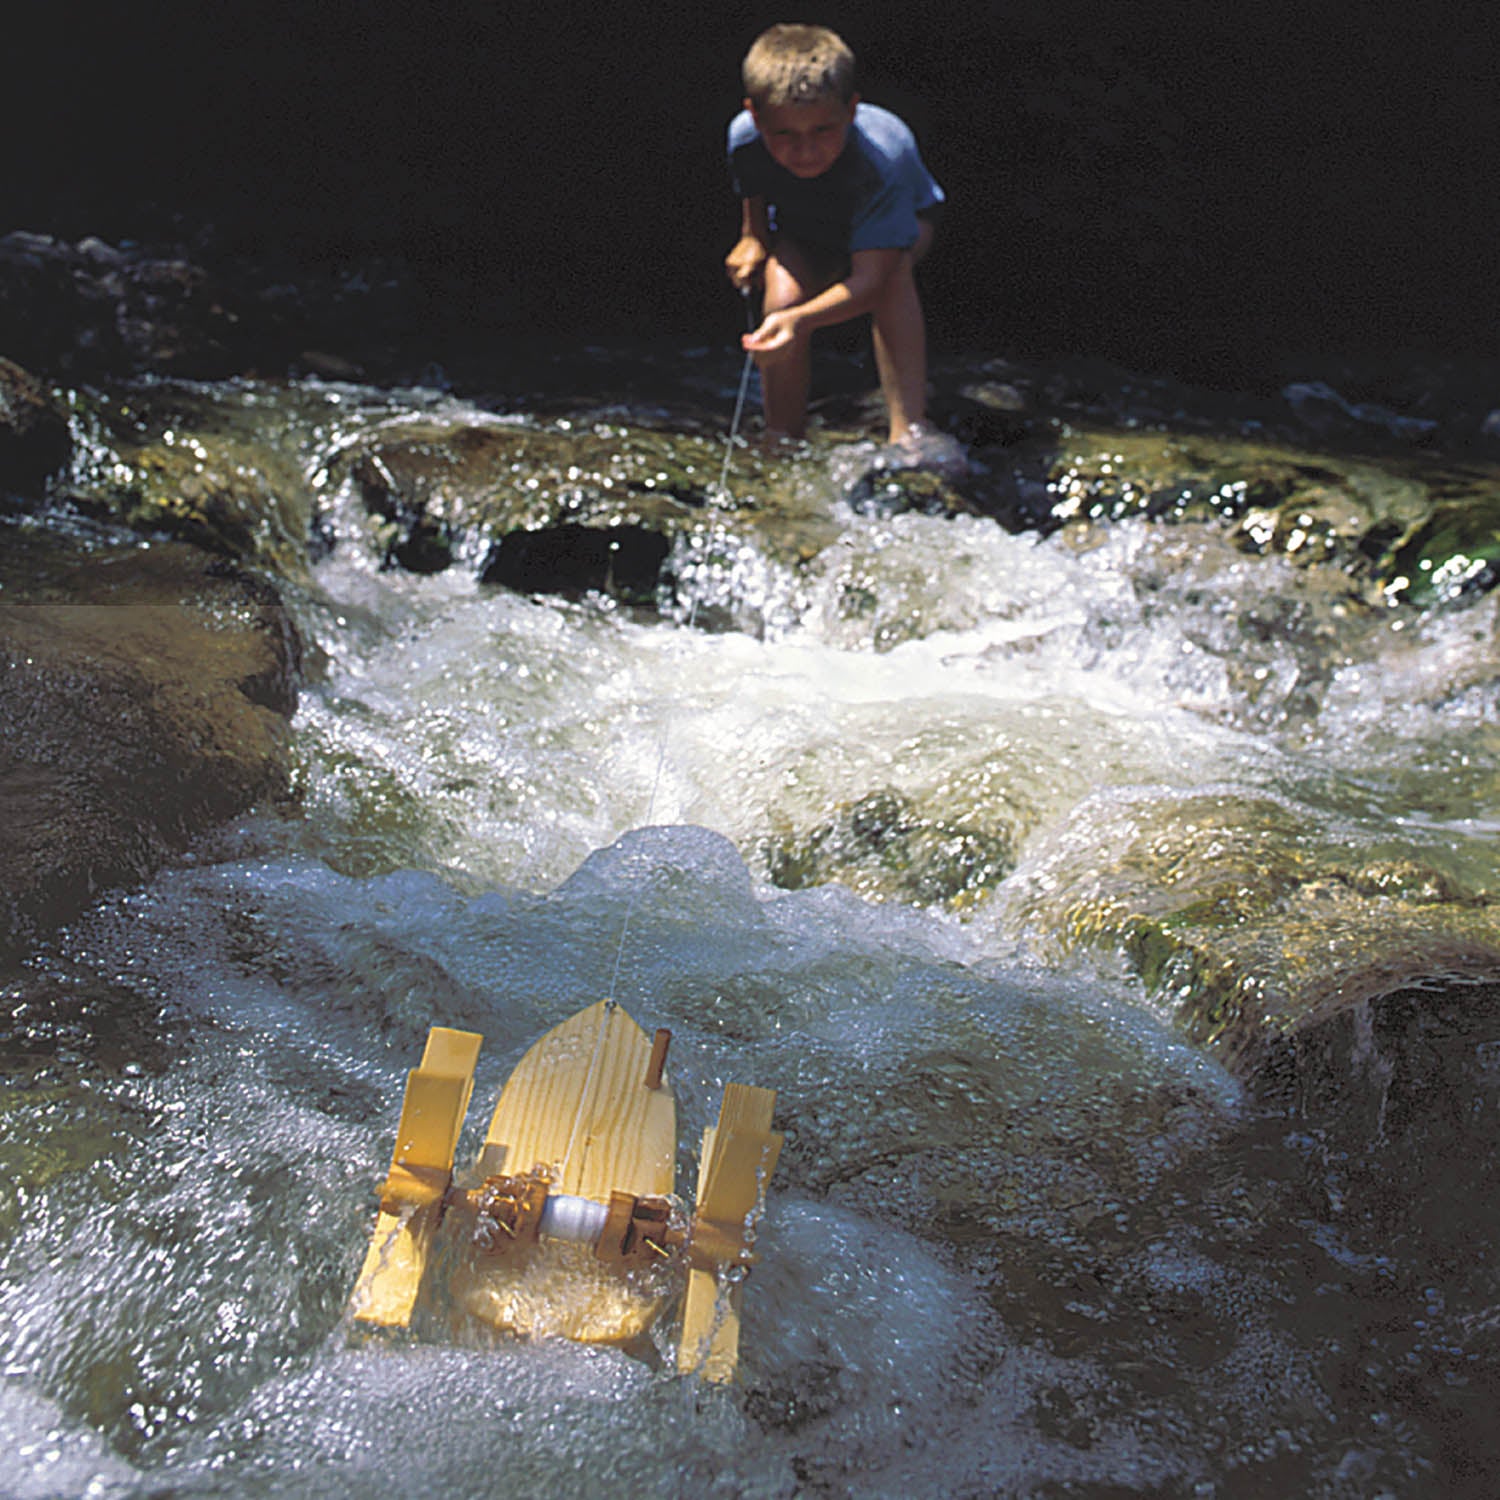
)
(775, 338)
(745, 262)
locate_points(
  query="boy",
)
(836, 210)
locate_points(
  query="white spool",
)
(568, 1218)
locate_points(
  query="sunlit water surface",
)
(1022, 1239)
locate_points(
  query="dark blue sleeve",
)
(885, 217)
(887, 221)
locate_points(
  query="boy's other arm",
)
(746, 261)
(869, 270)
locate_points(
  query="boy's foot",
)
(771, 444)
(923, 446)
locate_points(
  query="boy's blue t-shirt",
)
(868, 199)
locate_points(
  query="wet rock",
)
(1111, 475)
(1097, 443)
(33, 431)
(996, 395)
(1397, 1051)
(145, 695)
(1394, 1079)
(212, 492)
(990, 414)
(925, 472)
(1255, 925)
(544, 509)
(624, 562)
(1452, 552)
(1091, 441)
(167, 461)
(1327, 413)
(891, 492)
(467, 479)
(1400, 527)
(884, 847)
(550, 509)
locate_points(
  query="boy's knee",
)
(805, 268)
(782, 286)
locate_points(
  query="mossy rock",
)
(531, 503)
(884, 848)
(170, 463)
(1242, 916)
(1455, 551)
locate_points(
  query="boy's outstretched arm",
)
(881, 282)
(869, 273)
(748, 258)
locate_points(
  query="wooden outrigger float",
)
(573, 1228)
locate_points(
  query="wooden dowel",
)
(659, 1044)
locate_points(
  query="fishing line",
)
(721, 493)
(661, 751)
(739, 400)
(611, 1001)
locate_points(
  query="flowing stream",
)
(1027, 1237)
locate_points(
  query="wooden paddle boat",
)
(571, 1226)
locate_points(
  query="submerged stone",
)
(884, 847)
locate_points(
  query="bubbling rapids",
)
(1025, 1238)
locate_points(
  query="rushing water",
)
(1024, 1238)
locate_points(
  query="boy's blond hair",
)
(791, 64)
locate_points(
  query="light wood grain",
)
(578, 1106)
(432, 1116)
(739, 1156)
(390, 1280)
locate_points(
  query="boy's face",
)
(805, 139)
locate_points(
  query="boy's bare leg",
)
(791, 277)
(900, 335)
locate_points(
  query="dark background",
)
(1180, 187)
